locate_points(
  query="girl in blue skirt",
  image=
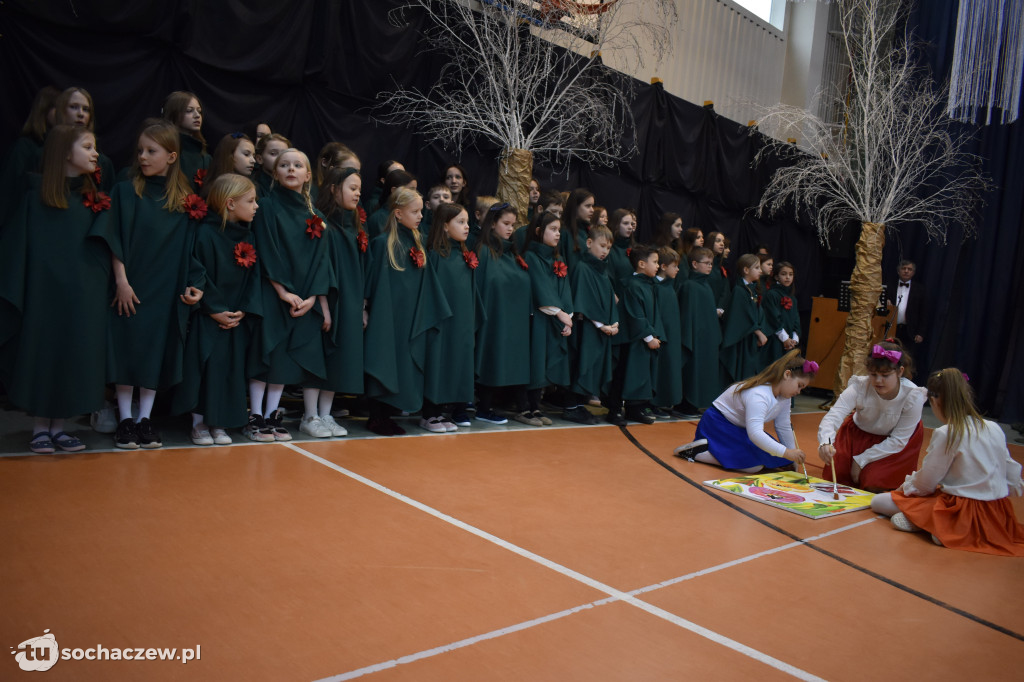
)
(731, 432)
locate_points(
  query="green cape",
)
(503, 341)
(549, 350)
(668, 385)
(739, 355)
(449, 374)
(701, 336)
(594, 299)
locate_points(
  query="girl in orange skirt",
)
(961, 493)
(872, 436)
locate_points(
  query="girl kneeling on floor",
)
(961, 492)
(731, 432)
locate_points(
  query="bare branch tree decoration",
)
(526, 76)
(894, 158)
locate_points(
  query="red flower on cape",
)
(97, 176)
(787, 303)
(362, 215)
(97, 201)
(362, 241)
(195, 207)
(199, 178)
(471, 260)
(522, 263)
(629, 252)
(417, 257)
(245, 254)
(758, 299)
(561, 269)
(314, 227)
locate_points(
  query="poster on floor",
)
(789, 490)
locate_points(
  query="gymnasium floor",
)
(586, 553)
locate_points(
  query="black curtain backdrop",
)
(313, 68)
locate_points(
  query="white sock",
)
(147, 396)
(257, 389)
(124, 401)
(274, 392)
(326, 402)
(310, 400)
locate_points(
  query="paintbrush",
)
(835, 486)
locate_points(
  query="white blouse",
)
(896, 418)
(751, 409)
(979, 467)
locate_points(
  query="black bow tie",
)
(905, 284)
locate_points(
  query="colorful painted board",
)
(789, 490)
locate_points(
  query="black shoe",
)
(660, 413)
(640, 414)
(691, 450)
(126, 436)
(461, 418)
(615, 418)
(578, 414)
(148, 436)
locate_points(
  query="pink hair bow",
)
(810, 367)
(890, 355)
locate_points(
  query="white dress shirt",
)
(978, 467)
(751, 409)
(896, 418)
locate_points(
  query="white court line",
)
(494, 634)
(568, 572)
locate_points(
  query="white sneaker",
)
(220, 436)
(315, 427)
(336, 429)
(434, 425)
(201, 437)
(449, 425)
(901, 522)
(105, 420)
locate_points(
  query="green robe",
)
(53, 307)
(264, 183)
(719, 284)
(572, 253)
(24, 157)
(214, 381)
(404, 305)
(739, 355)
(449, 377)
(289, 350)
(594, 300)
(344, 349)
(641, 320)
(619, 268)
(503, 341)
(701, 339)
(668, 385)
(155, 245)
(549, 350)
(375, 223)
(777, 317)
(193, 160)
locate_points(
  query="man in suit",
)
(911, 304)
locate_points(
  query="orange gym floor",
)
(558, 554)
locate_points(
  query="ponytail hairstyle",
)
(438, 240)
(227, 186)
(272, 137)
(747, 260)
(535, 231)
(487, 236)
(59, 141)
(165, 134)
(37, 125)
(889, 356)
(332, 154)
(174, 108)
(401, 198)
(791, 362)
(570, 220)
(956, 400)
(60, 107)
(305, 185)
